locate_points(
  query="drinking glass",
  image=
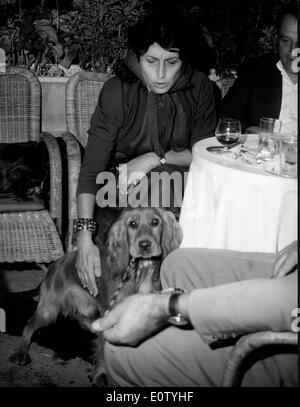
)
(268, 139)
(288, 155)
(228, 132)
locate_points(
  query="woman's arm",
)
(85, 205)
(103, 133)
(88, 259)
(105, 123)
(181, 158)
(138, 167)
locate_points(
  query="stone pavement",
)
(47, 368)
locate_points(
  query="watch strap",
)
(175, 318)
(173, 304)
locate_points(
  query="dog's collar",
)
(126, 275)
(130, 265)
(137, 259)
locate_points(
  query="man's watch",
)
(163, 160)
(175, 318)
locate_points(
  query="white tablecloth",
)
(230, 204)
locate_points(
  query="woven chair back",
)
(82, 93)
(20, 97)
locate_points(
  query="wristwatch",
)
(175, 318)
(163, 160)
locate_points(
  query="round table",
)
(231, 204)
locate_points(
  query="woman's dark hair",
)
(172, 30)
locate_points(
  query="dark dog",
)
(137, 243)
(23, 167)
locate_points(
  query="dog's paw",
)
(100, 380)
(20, 358)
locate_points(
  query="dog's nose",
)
(145, 244)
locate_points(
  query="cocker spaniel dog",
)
(137, 243)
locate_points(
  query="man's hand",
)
(287, 259)
(136, 318)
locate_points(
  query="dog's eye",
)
(155, 221)
(133, 224)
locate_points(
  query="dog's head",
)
(142, 233)
(23, 168)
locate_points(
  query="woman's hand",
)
(136, 318)
(286, 260)
(88, 262)
(133, 171)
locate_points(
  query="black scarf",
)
(174, 121)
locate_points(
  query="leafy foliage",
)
(93, 33)
(101, 30)
(238, 29)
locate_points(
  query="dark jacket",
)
(115, 133)
(256, 93)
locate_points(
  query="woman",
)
(148, 116)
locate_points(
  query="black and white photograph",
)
(149, 197)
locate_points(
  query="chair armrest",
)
(248, 343)
(74, 164)
(55, 178)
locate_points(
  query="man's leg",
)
(199, 268)
(172, 358)
(178, 357)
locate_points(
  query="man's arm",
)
(135, 319)
(287, 259)
(204, 113)
(216, 313)
(247, 306)
(237, 101)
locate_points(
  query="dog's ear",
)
(118, 250)
(172, 232)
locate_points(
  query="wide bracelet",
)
(84, 224)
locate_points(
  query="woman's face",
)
(160, 68)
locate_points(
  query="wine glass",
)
(228, 132)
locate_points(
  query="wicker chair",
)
(29, 234)
(82, 93)
(233, 373)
